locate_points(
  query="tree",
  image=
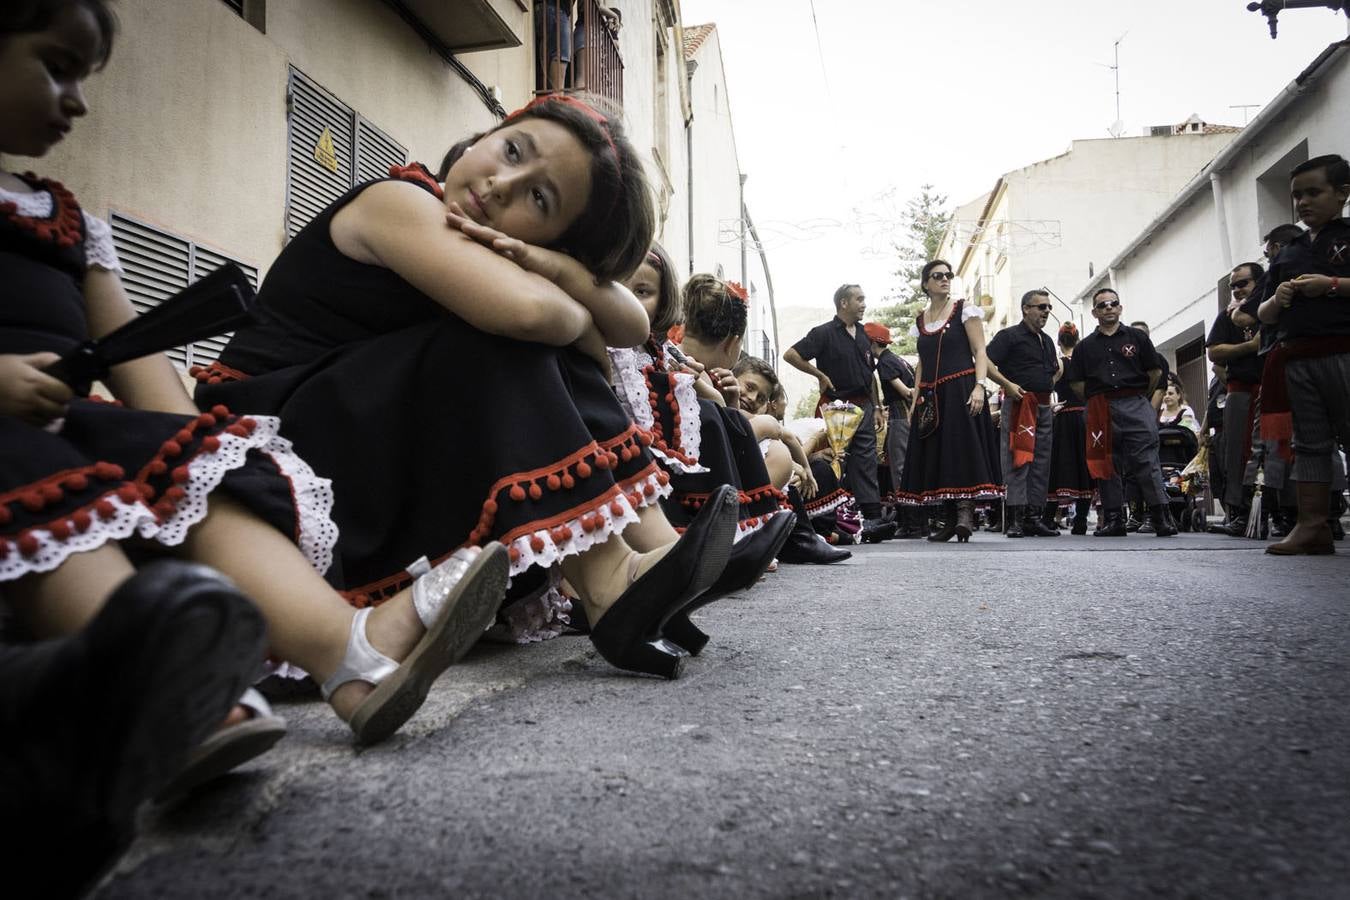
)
(924, 223)
(806, 407)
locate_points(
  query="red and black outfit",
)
(1069, 476)
(436, 435)
(958, 460)
(105, 472)
(700, 444)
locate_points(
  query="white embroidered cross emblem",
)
(1129, 349)
(1097, 438)
(1338, 254)
(1027, 429)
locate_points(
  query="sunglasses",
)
(1107, 304)
(941, 276)
(1043, 307)
(1239, 285)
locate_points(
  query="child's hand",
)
(727, 386)
(28, 393)
(1284, 294)
(547, 263)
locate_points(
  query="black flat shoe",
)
(748, 561)
(629, 634)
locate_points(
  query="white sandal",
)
(456, 601)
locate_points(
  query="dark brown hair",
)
(928, 268)
(24, 16)
(669, 311)
(611, 235)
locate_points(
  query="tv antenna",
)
(1118, 126)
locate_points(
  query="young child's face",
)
(40, 76)
(778, 406)
(1316, 199)
(645, 284)
(755, 392)
(529, 180)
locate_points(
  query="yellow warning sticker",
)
(323, 151)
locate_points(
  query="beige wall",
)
(187, 125)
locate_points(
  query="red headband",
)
(654, 260)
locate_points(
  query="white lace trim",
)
(98, 244)
(630, 385)
(581, 540)
(205, 471)
(743, 530)
(313, 497)
(842, 498)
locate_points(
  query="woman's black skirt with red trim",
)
(1069, 477)
(960, 459)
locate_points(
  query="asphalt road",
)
(1068, 717)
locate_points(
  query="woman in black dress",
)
(1070, 481)
(450, 380)
(953, 453)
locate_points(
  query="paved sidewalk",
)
(1116, 718)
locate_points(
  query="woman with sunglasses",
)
(953, 454)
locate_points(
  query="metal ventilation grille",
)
(310, 185)
(156, 265)
(375, 152)
(204, 262)
(361, 151)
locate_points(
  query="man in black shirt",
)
(1307, 393)
(1235, 349)
(897, 391)
(1024, 363)
(844, 369)
(1115, 369)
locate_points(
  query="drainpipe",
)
(1225, 244)
(745, 281)
(689, 182)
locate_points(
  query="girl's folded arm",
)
(402, 227)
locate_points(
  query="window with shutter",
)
(330, 148)
(156, 265)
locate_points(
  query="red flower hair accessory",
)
(735, 290)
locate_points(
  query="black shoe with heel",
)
(629, 634)
(748, 560)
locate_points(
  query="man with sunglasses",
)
(1235, 348)
(1023, 361)
(845, 370)
(1116, 369)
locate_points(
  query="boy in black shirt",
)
(1306, 394)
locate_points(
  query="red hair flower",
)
(735, 290)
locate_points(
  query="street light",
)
(1271, 8)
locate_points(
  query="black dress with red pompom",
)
(105, 472)
(436, 435)
(700, 444)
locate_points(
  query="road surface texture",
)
(1066, 717)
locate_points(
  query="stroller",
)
(1177, 446)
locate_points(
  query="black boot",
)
(1112, 524)
(1014, 515)
(947, 531)
(804, 546)
(1050, 518)
(1080, 515)
(912, 521)
(1034, 526)
(1133, 518)
(1282, 520)
(1163, 526)
(1334, 519)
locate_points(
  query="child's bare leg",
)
(651, 531)
(308, 622)
(65, 599)
(778, 460)
(606, 570)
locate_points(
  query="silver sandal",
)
(456, 601)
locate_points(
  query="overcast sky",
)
(836, 138)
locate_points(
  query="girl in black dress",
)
(953, 454)
(451, 381)
(77, 476)
(1070, 481)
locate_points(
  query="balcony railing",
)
(589, 40)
